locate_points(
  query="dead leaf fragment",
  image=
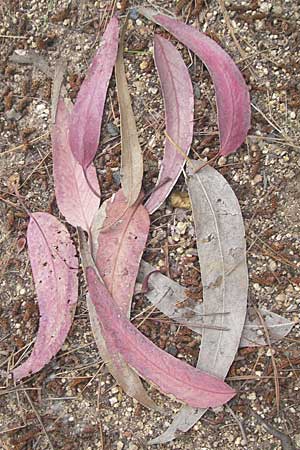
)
(180, 200)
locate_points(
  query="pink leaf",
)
(179, 113)
(88, 110)
(118, 263)
(75, 199)
(232, 94)
(124, 375)
(54, 268)
(170, 375)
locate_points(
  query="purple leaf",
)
(118, 263)
(179, 114)
(233, 102)
(170, 375)
(75, 199)
(87, 114)
(54, 268)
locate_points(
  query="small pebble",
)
(251, 396)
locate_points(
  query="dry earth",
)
(73, 402)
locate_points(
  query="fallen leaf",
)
(221, 248)
(180, 200)
(232, 96)
(131, 153)
(86, 118)
(126, 230)
(179, 116)
(21, 244)
(169, 297)
(54, 267)
(75, 199)
(170, 375)
(116, 364)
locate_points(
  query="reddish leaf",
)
(124, 375)
(169, 374)
(88, 110)
(179, 114)
(54, 268)
(74, 197)
(118, 263)
(232, 94)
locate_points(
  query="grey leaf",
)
(165, 293)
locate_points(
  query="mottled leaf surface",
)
(232, 96)
(170, 375)
(167, 295)
(86, 118)
(131, 156)
(54, 269)
(126, 230)
(75, 199)
(178, 97)
(221, 248)
(116, 364)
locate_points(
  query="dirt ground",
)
(73, 403)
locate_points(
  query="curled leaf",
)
(54, 268)
(179, 114)
(168, 296)
(232, 96)
(87, 113)
(170, 375)
(126, 230)
(132, 157)
(75, 199)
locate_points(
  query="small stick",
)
(189, 161)
(21, 146)
(39, 419)
(240, 424)
(286, 441)
(277, 387)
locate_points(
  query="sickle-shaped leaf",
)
(123, 374)
(221, 248)
(167, 295)
(179, 114)
(74, 197)
(54, 268)
(86, 118)
(132, 157)
(169, 374)
(233, 103)
(126, 230)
